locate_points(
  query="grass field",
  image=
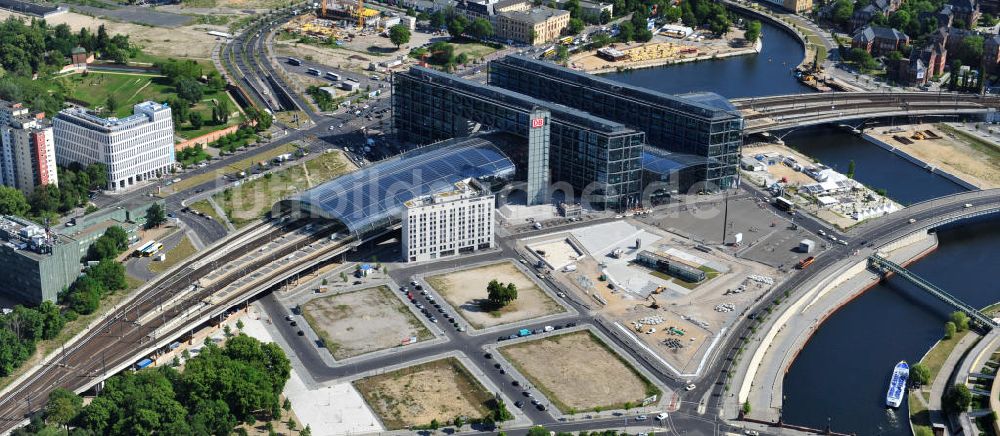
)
(472, 49)
(181, 251)
(249, 201)
(604, 379)
(414, 396)
(206, 208)
(127, 89)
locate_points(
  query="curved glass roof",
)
(372, 198)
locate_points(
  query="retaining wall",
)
(914, 160)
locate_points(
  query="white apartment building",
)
(448, 223)
(27, 151)
(136, 148)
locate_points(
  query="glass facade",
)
(600, 161)
(699, 124)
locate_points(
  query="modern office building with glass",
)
(566, 148)
(702, 124)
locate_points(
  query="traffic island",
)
(419, 396)
(465, 290)
(360, 322)
(578, 372)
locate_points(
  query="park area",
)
(578, 372)
(465, 290)
(251, 199)
(95, 89)
(361, 322)
(440, 390)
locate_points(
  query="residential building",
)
(879, 41)
(488, 9)
(965, 10)
(991, 54)
(589, 8)
(448, 223)
(534, 26)
(863, 16)
(913, 71)
(27, 153)
(598, 159)
(952, 38)
(796, 6)
(703, 124)
(136, 148)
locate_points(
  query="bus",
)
(313, 71)
(549, 51)
(332, 76)
(294, 61)
(806, 262)
(784, 204)
(148, 249)
(566, 41)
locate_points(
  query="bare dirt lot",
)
(602, 378)
(414, 396)
(360, 322)
(189, 42)
(955, 150)
(466, 290)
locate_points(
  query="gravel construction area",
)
(414, 396)
(361, 322)
(465, 290)
(577, 372)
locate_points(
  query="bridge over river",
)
(782, 112)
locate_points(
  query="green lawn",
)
(95, 88)
(472, 49)
(249, 201)
(175, 255)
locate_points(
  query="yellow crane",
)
(361, 14)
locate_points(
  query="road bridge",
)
(885, 266)
(763, 114)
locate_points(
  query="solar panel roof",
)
(372, 198)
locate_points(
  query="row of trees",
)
(47, 202)
(218, 390)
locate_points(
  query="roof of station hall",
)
(372, 197)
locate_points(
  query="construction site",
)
(674, 315)
(343, 20)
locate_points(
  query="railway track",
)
(117, 337)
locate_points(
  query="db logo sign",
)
(537, 122)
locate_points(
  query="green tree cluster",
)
(229, 143)
(919, 374)
(47, 202)
(22, 328)
(961, 321)
(155, 216)
(28, 47)
(957, 398)
(752, 33)
(399, 35)
(322, 98)
(499, 294)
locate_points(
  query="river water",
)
(842, 373)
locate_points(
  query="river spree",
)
(842, 374)
(767, 73)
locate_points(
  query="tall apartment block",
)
(704, 124)
(448, 223)
(27, 151)
(136, 148)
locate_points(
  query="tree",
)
(643, 35)
(949, 330)
(957, 399)
(179, 110)
(842, 12)
(53, 320)
(746, 408)
(343, 277)
(155, 216)
(111, 104)
(575, 26)
(438, 19)
(85, 295)
(224, 109)
(500, 295)
(117, 235)
(196, 120)
(481, 28)
(63, 406)
(12, 202)
(215, 81)
(538, 431)
(850, 169)
(605, 17)
(435, 424)
(399, 35)
(190, 90)
(971, 50)
(240, 325)
(110, 274)
(457, 25)
(103, 248)
(961, 320)
(919, 374)
(626, 31)
(752, 33)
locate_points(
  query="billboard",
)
(537, 122)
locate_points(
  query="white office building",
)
(449, 223)
(135, 148)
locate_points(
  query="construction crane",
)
(361, 14)
(322, 6)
